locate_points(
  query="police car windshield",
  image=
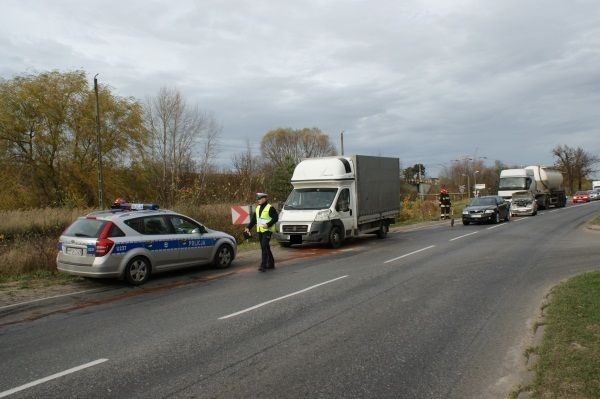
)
(310, 198)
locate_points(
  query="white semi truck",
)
(339, 197)
(543, 182)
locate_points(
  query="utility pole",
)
(342, 140)
(98, 143)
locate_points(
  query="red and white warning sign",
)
(240, 214)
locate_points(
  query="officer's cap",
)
(261, 195)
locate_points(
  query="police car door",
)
(194, 246)
(159, 241)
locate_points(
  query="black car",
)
(490, 208)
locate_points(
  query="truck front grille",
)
(295, 228)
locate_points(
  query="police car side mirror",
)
(199, 230)
(203, 230)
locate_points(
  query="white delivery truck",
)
(543, 182)
(339, 197)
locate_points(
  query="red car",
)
(581, 196)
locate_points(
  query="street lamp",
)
(475, 182)
(468, 185)
(99, 144)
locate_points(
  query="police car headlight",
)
(490, 211)
(322, 215)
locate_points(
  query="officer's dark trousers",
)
(267, 260)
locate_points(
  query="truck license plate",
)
(74, 251)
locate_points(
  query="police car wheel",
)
(223, 257)
(137, 271)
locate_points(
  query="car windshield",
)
(310, 198)
(483, 201)
(513, 183)
(581, 193)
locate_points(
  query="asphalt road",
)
(431, 312)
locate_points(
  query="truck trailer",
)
(339, 197)
(543, 182)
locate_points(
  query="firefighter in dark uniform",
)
(445, 203)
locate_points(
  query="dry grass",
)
(36, 222)
(27, 255)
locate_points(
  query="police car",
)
(134, 241)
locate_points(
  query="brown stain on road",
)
(282, 256)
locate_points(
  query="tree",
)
(278, 183)
(48, 136)
(415, 172)
(175, 129)
(575, 164)
(282, 145)
(248, 170)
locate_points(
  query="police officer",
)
(264, 217)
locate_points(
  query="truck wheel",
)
(383, 230)
(335, 237)
(465, 222)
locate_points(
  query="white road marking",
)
(51, 377)
(44, 299)
(463, 236)
(410, 253)
(280, 298)
(493, 227)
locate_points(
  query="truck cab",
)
(339, 197)
(513, 180)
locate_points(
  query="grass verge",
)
(37, 279)
(569, 356)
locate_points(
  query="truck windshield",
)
(310, 198)
(513, 183)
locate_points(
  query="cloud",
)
(427, 81)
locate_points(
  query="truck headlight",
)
(322, 215)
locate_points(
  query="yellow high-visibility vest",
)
(263, 218)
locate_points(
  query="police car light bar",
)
(135, 207)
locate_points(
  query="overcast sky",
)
(428, 81)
